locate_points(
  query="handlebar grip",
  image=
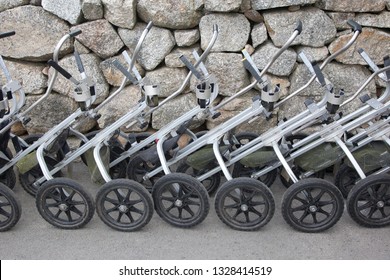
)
(75, 33)
(149, 26)
(79, 62)
(1, 95)
(190, 67)
(386, 61)
(61, 70)
(9, 95)
(318, 72)
(92, 90)
(7, 34)
(355, 26)
(215, 27)
(299, 27)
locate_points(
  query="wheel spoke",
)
(136, 210)
(255, 211)
(69, 215)
(118, 219)
(382, 210)
(372, 211)
(236, 199)
(76, 210)
(318, 197)
(167, 198)
(170, 207)
(257, 203)
(180, 210)
(113, 201)
(3, 204)
(128, 214)
(382, 190)
(134, 202)
(299, 208)
(238, 212)
(58, 213)
(235, 205)
(247, 216)
(189, 210)
(314, 215)
(127, 195)
(304, 215)
(115, 208)
(303, 201)
(368, 204)
(322, 211)
(5, 213)
(118, 195)
(192, 202)
(324, 203)
(55, 204)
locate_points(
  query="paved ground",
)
(33, 238)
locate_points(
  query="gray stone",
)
(119, 106)
(120, 12)
(340, 19)
(234, 30)
(347, 77)
(69, 10)
(29, 75)
(91, 64)
(281, 24)
(112, 75)
(229, 71)
(35, 39)
(254, 16)
(92, 9)
(9, 4)
(283, 66)
(173, 59)
(167, 85)
(81, 48)
(185, 38)
(352, 5)
(381, 20)
(270, 4)
(388, 4)
(100, 37)
(376, 43)
(313, 54)
(173, 110)
(245, 5)
(222, 5)
(49, 113)
(158, 43)
(259, 34)
(236, 106)
(171, 13)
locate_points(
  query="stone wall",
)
(262, 26)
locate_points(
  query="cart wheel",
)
(8, 178)
(244, 204)
(137, 168)
(10, 209)
(28, 179)
(368, 202)
(345, 179)
(211, 183)
(124, 205)
(63, 203)
(180, 200)
(241, 170)
(312, 205)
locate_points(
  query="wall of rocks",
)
(262, 26)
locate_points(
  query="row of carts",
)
(175, 170)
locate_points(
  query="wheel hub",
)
(63, 207)
(178, 203)
(380, 204)
(123, 208)
(313, 208)
(244, 207)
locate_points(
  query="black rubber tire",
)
(244, 204)
(8, 177)
(10, 208)
(345, 178)
(184, 207)
(64, 203)
(368, 202)
(121, 212)
(245, 137)
(28, 179)
(211, 183)
(137, 168)
(305, 199)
